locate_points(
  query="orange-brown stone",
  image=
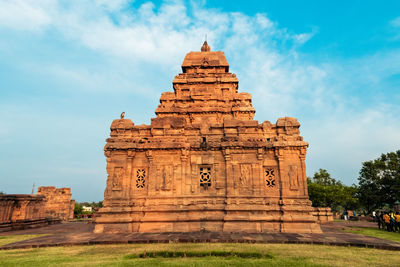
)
(323, 215)
(58, 203)
(204, 163)
(21, 207)
(18, 211)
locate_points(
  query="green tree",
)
(325, 191)
(78, 209)
(379, 181)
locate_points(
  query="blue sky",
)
(68, 68)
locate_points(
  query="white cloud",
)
(25, 15)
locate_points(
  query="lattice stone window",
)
(205, 177)
(270, 177)
(140, 178)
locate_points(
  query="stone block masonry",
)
(58, 203)
(21, 211)
(204, 163)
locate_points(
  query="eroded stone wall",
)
(21, 211)
(58, 203)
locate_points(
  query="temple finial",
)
(205, 47)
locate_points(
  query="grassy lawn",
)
(273, 255)
(8, 239)
(375, 232)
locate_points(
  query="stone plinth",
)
(323, 215)
(58, 203)
(204, 163)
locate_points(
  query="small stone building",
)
(204, 163)
(58, 203)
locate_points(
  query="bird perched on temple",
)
(122, 115)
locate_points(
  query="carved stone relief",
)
(293, 177)
(245, 175)
(118, 177)
(167, 177)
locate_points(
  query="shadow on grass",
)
(197, 254)
(9, 239)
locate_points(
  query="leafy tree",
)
(379, 181)
(78, 209)
(325, 191)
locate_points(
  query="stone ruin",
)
(204, 163)
(58, 203)
(49, 206)
(20, 211)
(323, 214)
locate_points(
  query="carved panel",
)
(118, 178)
(140, 178)
(293, 177)
(245, 175)
(167, 177)
(205, 177)
(270, 177)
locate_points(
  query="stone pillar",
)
(184, 159)
(110, 173)
(303, 179)
(151, 171)
(281, 167)
(130, 157)
(228, 173)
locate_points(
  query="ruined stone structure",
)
(21, 211)
(204, 164)
(323, 215)
(58, 203)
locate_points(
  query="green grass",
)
(220, 254)
(8, 239)
(375, 232)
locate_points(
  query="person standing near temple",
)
(382, 220)
(386, 218)
(393, 224)
(397, 218)
(379, 220)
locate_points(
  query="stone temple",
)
(204, 163)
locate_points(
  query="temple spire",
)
(205, 47)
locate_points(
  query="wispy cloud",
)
(396, 22)
(25, 15)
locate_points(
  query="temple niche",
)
(204, 163)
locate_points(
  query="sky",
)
(68, 68)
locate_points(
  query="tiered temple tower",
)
(204, 163)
